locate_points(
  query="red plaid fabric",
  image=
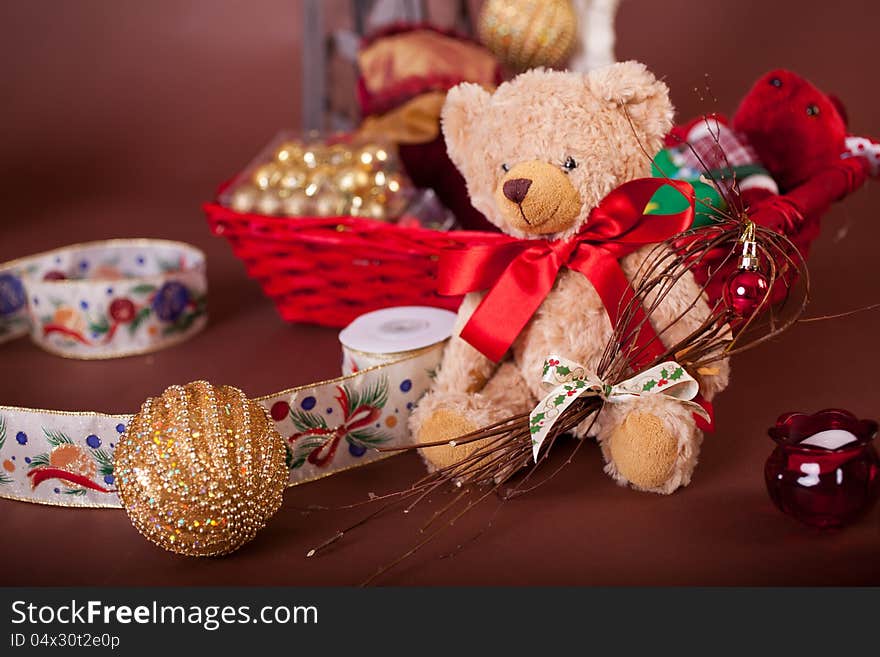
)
(712, 141)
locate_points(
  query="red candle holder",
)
(821, 486)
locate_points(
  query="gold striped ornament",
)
(201, 469)
(524, 34)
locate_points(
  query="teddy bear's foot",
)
(653, 446)
(446, 424)
(445, 416)
(643, 451)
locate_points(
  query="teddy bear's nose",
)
(516, 189)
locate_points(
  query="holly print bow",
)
(568, 380)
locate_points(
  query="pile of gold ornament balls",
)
(317, 179)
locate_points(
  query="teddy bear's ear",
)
(634, 88)
(464, 103)
(625, 83)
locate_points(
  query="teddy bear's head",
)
(540, 152)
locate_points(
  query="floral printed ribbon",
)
(66, 458)
(568, 380)
(105, 299)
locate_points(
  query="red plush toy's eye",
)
(812, 109)
(775, 82)
(505, 168)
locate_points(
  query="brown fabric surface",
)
(119, 119)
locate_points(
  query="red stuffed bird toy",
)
(799, 135)
(796, 130)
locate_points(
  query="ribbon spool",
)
(390, 334)
(105, 299)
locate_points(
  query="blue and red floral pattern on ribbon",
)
(105, 299)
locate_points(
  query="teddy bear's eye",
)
(569, 164)
(812, 109)
(505, 168)
(775, 82)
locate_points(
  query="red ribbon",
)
(520, 273)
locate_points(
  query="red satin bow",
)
(520, 273)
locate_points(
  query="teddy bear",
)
(539, 155)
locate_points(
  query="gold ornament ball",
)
(322, 176)
(358, 210)
(291, 178)
(351, 179)
(290, 152)
(329, 203)
(355, 204)
(339, 155)
(243, 198)
(395, 183)
(378, 194)
(268, 203)
(314, 155)
(200, 469)
(373, 156)
(267, 175)
(375, 210)
(395, 194)
(296, 205)
(524, 34)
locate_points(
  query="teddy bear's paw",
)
(643, 452)
(446, 425)
(443, 418)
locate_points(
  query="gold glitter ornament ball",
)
(243, 198)
(201, 469)
(290, 152)
(524, 34)
(267, 175)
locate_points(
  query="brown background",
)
(118, 119)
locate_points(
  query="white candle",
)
(830, 439)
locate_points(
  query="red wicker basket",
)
(330, 270)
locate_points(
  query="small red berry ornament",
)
(747, 288)
(745, 291)
(122, 310)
